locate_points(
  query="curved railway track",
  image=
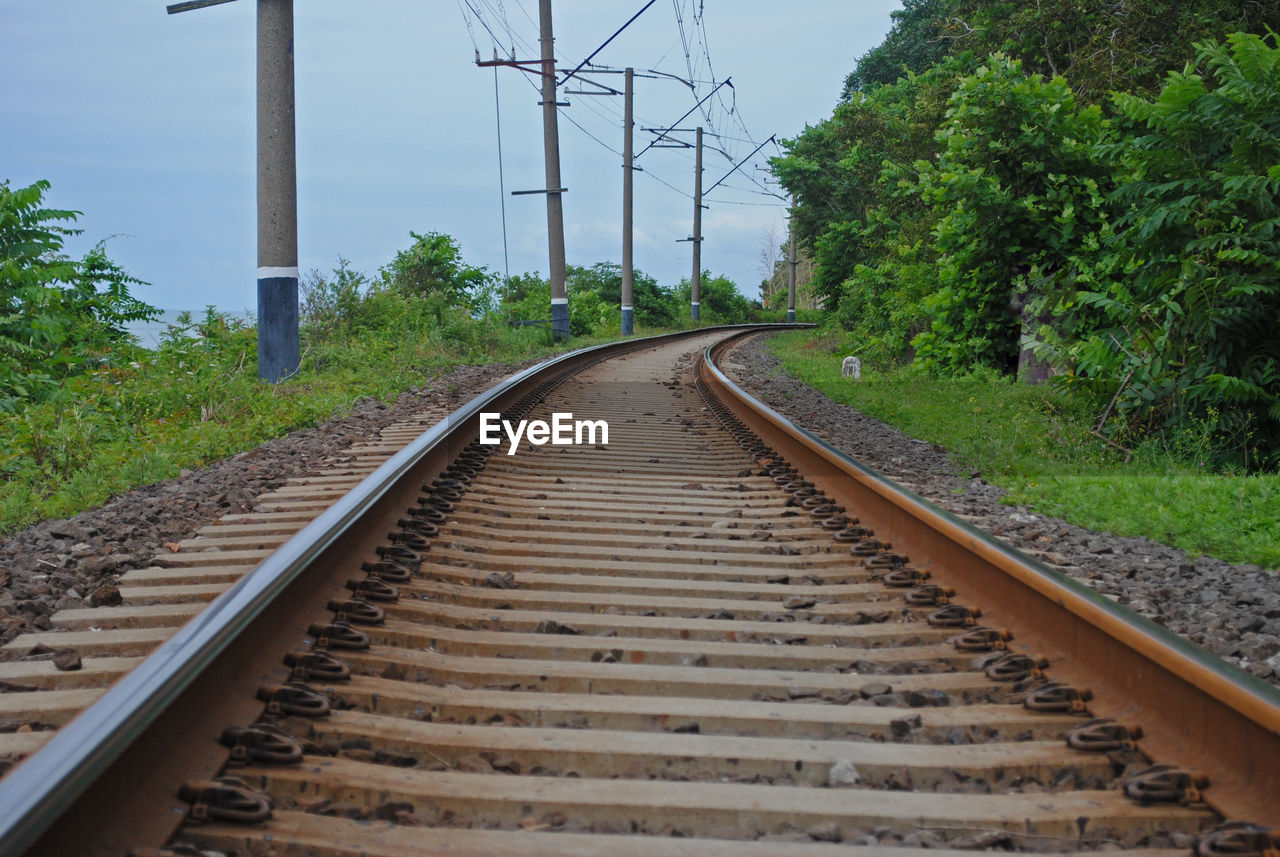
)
(712, 635)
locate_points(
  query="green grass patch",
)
(144, 416)
(1038, 445)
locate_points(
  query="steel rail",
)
(46, 785)
(1195, 708)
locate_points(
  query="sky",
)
(144, 122)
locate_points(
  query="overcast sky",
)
(145, 122)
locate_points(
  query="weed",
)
(196, 399)
(1040, 446)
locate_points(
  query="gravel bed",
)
(66, 564)
(1231, 610)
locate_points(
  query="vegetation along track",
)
(712, 635)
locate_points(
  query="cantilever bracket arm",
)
(187, 6)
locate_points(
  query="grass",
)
(146, 416)
(1037, 445)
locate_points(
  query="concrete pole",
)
(791, 279)
(555, 205)
(628, 272)
(695, 305)
(278, 349)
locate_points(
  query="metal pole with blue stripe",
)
(279, 352)
(278, 346)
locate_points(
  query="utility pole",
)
(278, 347)
(555, 206)
(629, 169)
(695, 293)
(791, 280)
(628, 272)
(279, 352)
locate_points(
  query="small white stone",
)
(851, 368)
(843, 773)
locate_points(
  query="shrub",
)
(58, 317)
(433, 265)
(1016, 188)
(1178, 324)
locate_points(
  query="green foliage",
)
(914, 43)
(1179, 324)
(718, 298)
(952, 209)
(595, 299)
(1015, 190)
(654, 306)
(846, 174)
(1098, 45)
(115, 416)
(197, 398)
(433, 266)
(1038, 443)
(527, 298)
(58, 317)
(330, 306)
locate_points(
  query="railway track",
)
(710, 635)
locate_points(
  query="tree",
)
(720, 299)
(434, 266)
(914, 42)
(330, 304)
(1017, 188)
(855, 212)
(653, 305)
(1177, 327)
(772, 257)
(58, 316)
(1102, 46)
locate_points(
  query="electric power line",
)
(493, 16)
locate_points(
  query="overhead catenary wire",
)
(618, 32)
(719, 111)
(735, 168)
(725, 82)
(691, 24)
(470, 31)
(482, 21)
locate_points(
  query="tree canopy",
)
(58, 316)
(1076, 184)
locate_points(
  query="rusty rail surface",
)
(1197, 708)
(672, 634)
(96, 759)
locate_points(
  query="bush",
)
(720, 302)
(1017, 187)
(329, 306)
(1177, 325)
(433, 265)
(58, 317)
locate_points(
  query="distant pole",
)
(791, 280)
(628, 273)
(278, 349)
(695, 307)
(555, 205)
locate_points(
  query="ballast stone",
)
(842, 774)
